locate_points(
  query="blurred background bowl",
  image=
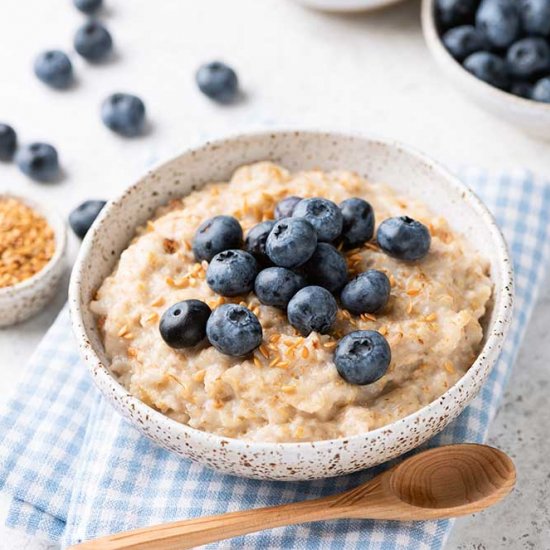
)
(532, 117)
(347, 6)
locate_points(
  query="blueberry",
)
(84, 215)
(291, 242)
(8, 141)
(541, 90)
(528, 57)
(369, 292)
(184, 324)
(256, 239)
(327, 268)
(232, 272)
(123, 114)
(54, 68)
(285, 207)
(358, 222)
(39, 161)
(216, 235)
(88, 6)
(275, 286)
(234, 330)
(218, 81)
(404, 238)
(323, 214)
(362, 357)
(312, 309)
(535, 16)
(522, 89)
(93, 41)
(488, 67)
(499, 22)
(463, 41)
(450, 13)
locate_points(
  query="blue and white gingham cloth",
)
(75, 469)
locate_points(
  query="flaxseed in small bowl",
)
(32, 249)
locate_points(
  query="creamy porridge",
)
(289, 389)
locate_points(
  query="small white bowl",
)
(23, 300)
(347, 6)
(533, 117)
(385, 161)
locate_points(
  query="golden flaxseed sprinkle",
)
(274, 338)
(177, 381)
(305, 352)
(414, 291)
(282, 364)
(449, 367)
(299, 431)
(355, 257)
(274, 361)
(288, 389)
(392, 280)
(218, 404)
(368, 317)
(157, 302)
(383, 330)
(243, 303)
(330, 345)
(264, 351)
(257, 362)
(410, 307)
(27, 242)
(256, 310)
(153, 316)
(431, 317)
(150, 226)
(131, 352)
(199, 376)
(123, 330)
(346, 314)
(371, 246)
(128, 336)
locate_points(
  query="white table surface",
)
(298, 68)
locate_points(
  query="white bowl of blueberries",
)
(498, 53)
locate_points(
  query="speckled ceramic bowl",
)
(532, 117)
(23, 300)
(408, 172)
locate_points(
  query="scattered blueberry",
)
(362, 357)
(451, 13)
(184, 324)
(535, 16)
(541, 90)
(358, 222)
(528, 57)
(369, 292)
(312, 309)
(39, 161)
(232, 272)
(275, 286)
(93, 41)
(123, 114)
(327, 268)
(291, 242)
(218, 81)
(54, 68)
(324, 215)
(463, 41)
(522, 89)
(256, 239)
(8, 141)
(84, 215)
(499, 21)
(216, 235)
(234, 330)
(285, 207)
(88, 6)
(404, 238)
(488, 67)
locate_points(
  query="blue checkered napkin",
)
(75, 470)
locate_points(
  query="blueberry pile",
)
(294, 263)
(505, 43)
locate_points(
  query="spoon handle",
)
(195, 532)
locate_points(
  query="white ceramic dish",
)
(23, 300)
(347, 6)
(408, 172)
(533, 117)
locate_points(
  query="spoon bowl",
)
(444, 482)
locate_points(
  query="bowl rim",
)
(55, 221)
(350, 6)
(487, 354)
(438, 50)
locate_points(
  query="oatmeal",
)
(288, 389)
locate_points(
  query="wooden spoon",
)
(439, 483)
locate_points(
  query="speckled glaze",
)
(533, 117)
(23, 300)
(408, 172)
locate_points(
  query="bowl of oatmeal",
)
(285, 409)
(32, 257)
